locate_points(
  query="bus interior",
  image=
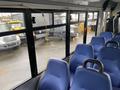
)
(59, 44)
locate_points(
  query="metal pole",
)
(53, 18)
(68, 34)
(85, 28)
(30, 43)
(78, 17)
(96, 29)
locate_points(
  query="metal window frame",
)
(97, 23)
(85, 28)
(30, 29)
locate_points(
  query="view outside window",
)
(95, 15)
(82, 17)
(50, 44)
(14, 60)
(41, 19)
(76, 32)
(74, 17)
(59, 18)
(11, 21)
(92, 20)
(108, 14)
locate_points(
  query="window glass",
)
(82, 17)
(91, 26)
(76, 32)
(50, 43)
(14, 61)
(108, 15)
(4, 28)
(74, 17)
(59, 18)
(90, 16)
(11, 22)
(41, 19)
(95, 15)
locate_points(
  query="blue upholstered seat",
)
(97, 43)
(90, 79)
(107, 35)
(56, 76)
(112, 43)
(82, 52)
(117, 38)
(110, 57)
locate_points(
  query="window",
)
(76, 32)
(95, 15)
(90, 16)
(4, 28)
(41, 19)
(14, 61)
(91, 28)
(50, 43)
(82, 17)
(74, 17)
(11, 21)
(59, 18)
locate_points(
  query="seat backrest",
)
(82, 52)
(56, 76)
(97, 41)
(112, 43)
(109, 53)
(90, 79)
(110, 57)
(85, 50)
(57, 68)
(116, 37)
(107, 35)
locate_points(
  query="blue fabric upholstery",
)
(110, 57)
(97, 43)
(56, 76)
(88, 79)
(112, 43)
(117, 38)
(82, 52)
(107, 35)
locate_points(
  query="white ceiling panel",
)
(66, 3)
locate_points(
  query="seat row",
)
(104, 39)
(57, 77)
(81, 73)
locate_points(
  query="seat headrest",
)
(92, 80)
(109, 53)
(106, 34)
(56, 65)
(97, 41)
(112, 43)
(83, 49)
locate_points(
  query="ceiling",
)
(96, 4)
(71, 3)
